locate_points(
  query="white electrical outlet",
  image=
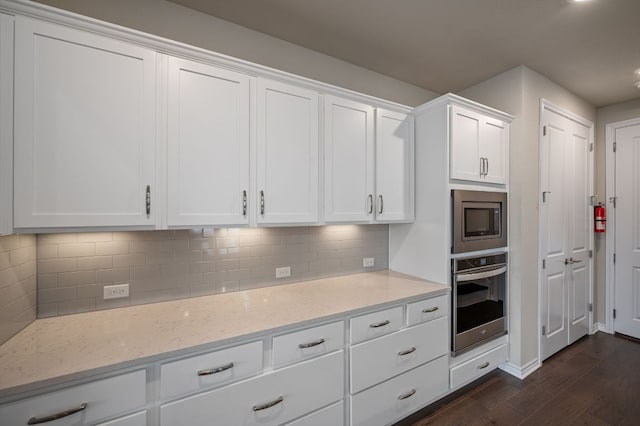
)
(283, 272)
(116, 291)
(368, 261)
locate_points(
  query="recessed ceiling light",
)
(637, 84)
(578, 1)
(637, 71)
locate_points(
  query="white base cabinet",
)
(400, 396)
(272, 399)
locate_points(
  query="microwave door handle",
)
(481, 275)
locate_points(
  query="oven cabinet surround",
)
(115, 128)
(423, 248)
(397, 364)
(368, 163)
(479, 146)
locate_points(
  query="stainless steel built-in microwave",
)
(479, 220)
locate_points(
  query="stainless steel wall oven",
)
(479, 220)
(478, 300)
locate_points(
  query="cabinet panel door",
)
(84, 128)
(6, 124)
(394, 167)
(208, 181)
(494, 137)
(287, 154)
(348, 160)
(465, 144)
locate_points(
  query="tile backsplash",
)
(17, 283)
(73, 268)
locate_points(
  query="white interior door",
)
(627, 231)
(565, 232)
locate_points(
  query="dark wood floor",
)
(595, 381)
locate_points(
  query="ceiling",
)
(591, 48)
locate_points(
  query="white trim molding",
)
(520, 372)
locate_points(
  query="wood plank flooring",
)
(595, 381)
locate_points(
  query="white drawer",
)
(478, 366)
(330, 416)
(400, 396)
(137, 419)
(426, 310)
(376, 324)
(103, 398)
(305, 344)
(379, 359)
(303, 388)
(211, 369)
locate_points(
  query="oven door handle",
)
(481, 275)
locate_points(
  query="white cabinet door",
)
(494, 137)
(349, 160)
(287, 154)
(84, 129)
(208, 146)
(478, 147)
(465, 144)
(394, 167)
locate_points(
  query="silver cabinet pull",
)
(262, 203)
(220, 369)
(379, 324)
(244, 203)
(67, 413)
(370, 203)
(148, 199)
(486, 167)
(481, 166)
(311, 344)
(268, 404)
(408, 351)
(428, 311)
(407, 395)
(381, 203)
(483, 366)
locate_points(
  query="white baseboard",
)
(600, 327)
(520, 372)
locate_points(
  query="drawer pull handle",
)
(407, 395)
(46, 419)
(485, 365)
(268, 404)
(311, 344)
(380, 324)
(428, 311)
(220, 369)
(408, 351)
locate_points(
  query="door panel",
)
(84, 129)
(627, 231)
(565, 232)
(349, 160)
(287, 153)
(465, 144)
(493, 147)
(208, 128)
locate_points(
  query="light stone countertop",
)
(56, 350)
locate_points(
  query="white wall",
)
(605, 115)
(169, 20)
(518, 92)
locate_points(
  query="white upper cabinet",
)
(349, 160)
(394, 201)
(287, 154)
(6, 124)
(84, 129)
(478, 147)
(208, 145)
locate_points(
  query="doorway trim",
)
(610, 241)
(549, 106)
